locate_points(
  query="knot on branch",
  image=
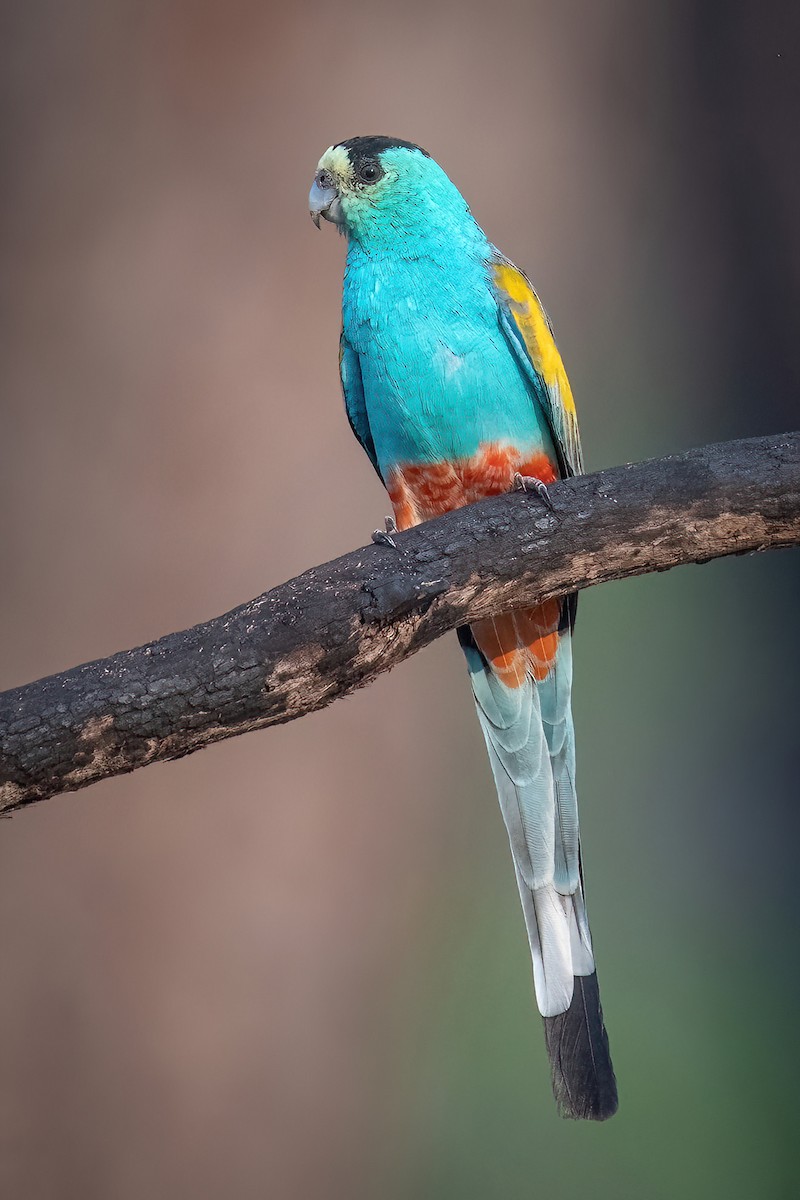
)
(397, 597)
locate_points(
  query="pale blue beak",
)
(324, 202)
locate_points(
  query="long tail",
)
(520, 666)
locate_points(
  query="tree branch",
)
(339, 626)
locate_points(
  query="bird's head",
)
(374, 187)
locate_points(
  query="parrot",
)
(455, 389)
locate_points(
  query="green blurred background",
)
(294, 966)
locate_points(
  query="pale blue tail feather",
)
(530, 740)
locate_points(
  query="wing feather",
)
(530, 335)
(354, 402)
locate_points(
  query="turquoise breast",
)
(439, 376)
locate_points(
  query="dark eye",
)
(369, 172)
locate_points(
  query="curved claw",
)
(529, 483)
(383, 537)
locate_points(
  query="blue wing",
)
(354, 402)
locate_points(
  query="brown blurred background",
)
(293, 966)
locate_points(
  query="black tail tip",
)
(584, 1084)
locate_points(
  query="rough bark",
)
(338, 626)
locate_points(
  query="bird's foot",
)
(383, 537)
(529, 483)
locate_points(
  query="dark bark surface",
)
(338, 626)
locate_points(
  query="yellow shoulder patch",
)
(530, 319)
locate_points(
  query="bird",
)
(455, 389)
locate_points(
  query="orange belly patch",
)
(517, 644)
(425, 490)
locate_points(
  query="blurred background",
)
(294, 965)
